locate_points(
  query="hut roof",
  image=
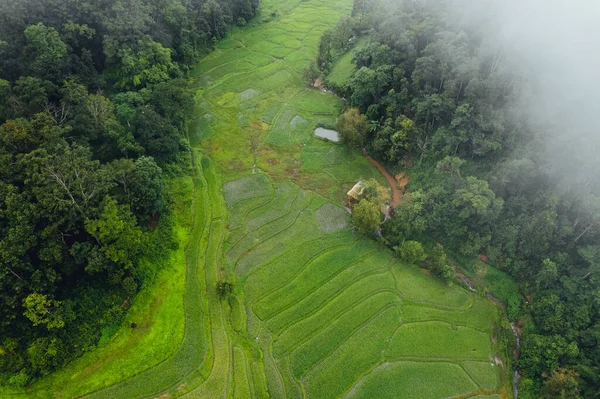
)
(357, 190)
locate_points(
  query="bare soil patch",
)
(391, 179)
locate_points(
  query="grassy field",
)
(317, 311)
(343, 68)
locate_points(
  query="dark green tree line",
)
(93, 111)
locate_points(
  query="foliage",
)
(366, 217)
(224, 289)
(561, 384)
(311, 73)
(92, 118)
(352, 128)
(411, 252)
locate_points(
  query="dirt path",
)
(391, 179)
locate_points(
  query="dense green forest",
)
(93, 108)
(444, 103)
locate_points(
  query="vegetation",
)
(274, 295)
(93, 115)
(446, 105)
(352, 128)
(365, 216)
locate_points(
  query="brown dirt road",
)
(396, 190)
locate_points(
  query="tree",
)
(144, 63)
(67, 180)
(375, 192)
(411, 252)
(438, 264)
(148, 187)
(49, 52)
(561, 384)
(367, 85)
(41, 310)
(352, 128)
(548, 273)
(117, 232)
(46, 354)
(224, 289)
(450, 165)
(366, 217)
(159, 138)
(311, 73)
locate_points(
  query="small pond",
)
(328, 134)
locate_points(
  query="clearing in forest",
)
(317, 310)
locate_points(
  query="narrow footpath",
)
(391, 179)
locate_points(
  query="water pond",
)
(328, 134)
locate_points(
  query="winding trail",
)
(391, 179)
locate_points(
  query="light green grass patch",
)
(271, 112)
(284, 196)
(481, 315)
(438, 339)
(318, 271)
(238, 212)
(269, 276)
(411, 380)
(240, 375)
(413, 284)
(338, 372)
(236, 315)
(486, 374)
(332, 218)
(248, 187)
(268, 230)
(317, 101)
(344, 67)
(248, 94)
(228, 44)
(300, 230)
(353, 284)
(337, 330)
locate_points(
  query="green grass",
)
(479, 316)
(316, 273)
(332, 218)
(412, 380)
(413, 286)
(240, 375)
(485, 374)
(438, 339)
(338, 372)
(248, 187)
(351, 285)
(337, 330)
(344, 68)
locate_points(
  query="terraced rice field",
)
(317, 311)
(336, 316)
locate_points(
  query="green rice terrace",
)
(317, 310)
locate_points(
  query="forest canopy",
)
(451, 105)
(93, 110)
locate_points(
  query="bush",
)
(224, 289)
(411, 252)
(365, 216)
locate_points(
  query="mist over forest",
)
(548, 44)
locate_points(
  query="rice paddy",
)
(317, 310)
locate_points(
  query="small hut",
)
(355, 193)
